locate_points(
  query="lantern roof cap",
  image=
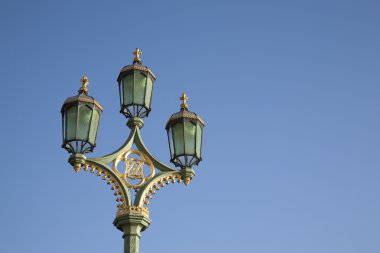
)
(184, 112)
(137, 65)
(128, 68)
(82, 95)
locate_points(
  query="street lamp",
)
(130, 169)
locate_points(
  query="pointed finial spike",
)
(184, 99)
(137, 58)
(77, 167)
(84, 82)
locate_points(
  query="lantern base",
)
(135, 121)
(77, 161)
(130, 111)
(187, 174)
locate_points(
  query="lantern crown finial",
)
(84, 81)
(137, 59)
(184, 99)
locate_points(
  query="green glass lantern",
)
(185, 131)
(80, 121)
(135, 88)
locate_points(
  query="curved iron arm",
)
(108, 173)
(124, 148)
(140, 145)
(134, 138)
(160, 179)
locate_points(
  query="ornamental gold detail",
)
(139, 210)
(186, 115)
(84, 82)
(83, 99)
(184, 99)
(110, 179)
(137, 67)
(137, 53)
(160, 183)
(136, 164)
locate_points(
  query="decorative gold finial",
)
(84, 82)
(77, 167)
(184, 99)
(137, 53)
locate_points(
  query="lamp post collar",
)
(135, 121)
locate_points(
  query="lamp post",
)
(134, 174)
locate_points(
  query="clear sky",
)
(289, 91)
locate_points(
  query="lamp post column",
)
(131, 225)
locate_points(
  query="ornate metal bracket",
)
(133, 176)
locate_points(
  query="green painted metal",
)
(140, 145)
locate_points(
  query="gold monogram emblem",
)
(134, 168)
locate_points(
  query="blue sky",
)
(289, 91)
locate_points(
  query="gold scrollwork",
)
(111, 180)
(160, 183)
(134, 168)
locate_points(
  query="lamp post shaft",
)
(131, 225)
(131, 242)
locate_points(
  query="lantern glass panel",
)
(189, 134)
(170, 137)
(139, 91)
(178, 139)
(84, 120)
(71, 122)
(148, 94)
(199, 139)
(94, 126)
(128, 89)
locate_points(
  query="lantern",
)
(135, 88)
(185, 130)
(80, 121)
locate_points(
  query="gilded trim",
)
(82, 99)
(137, 67)
(116, 185)
(155, 186)
(185, 115)
(133, 210)
(133, 168)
